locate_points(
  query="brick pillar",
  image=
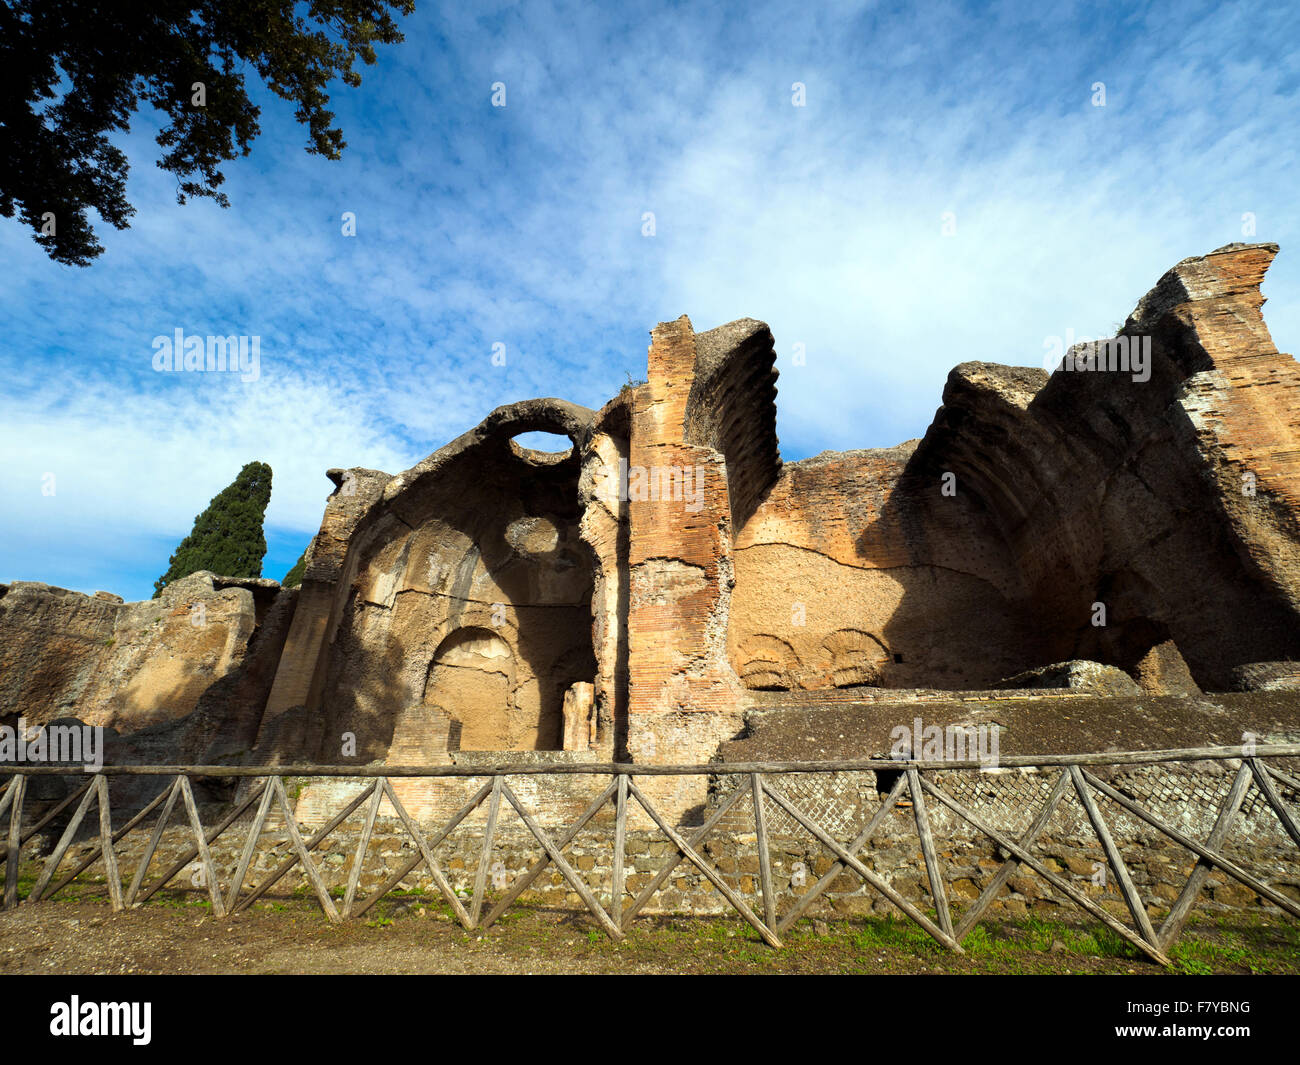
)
(684, 696)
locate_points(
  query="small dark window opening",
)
(885, 781)
(898, 658)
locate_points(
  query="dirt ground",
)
(416, 934)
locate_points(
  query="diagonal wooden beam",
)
(1261, 774)
(433, 842)
(1007, 868)
(829, 841)
(250, 844)
(363, 844)
(1182, 908)
(65, 841)
(522, 882)
(769, 937)
(1129, 890)
(173, 792)
(570, 874)
(205, 855)
(1280, 777)
(64, 803)
(1215, 857)
(192, 852)
(838, 867)
(1011, 847)
(309, 867)
(935, 874)
(666, 871)
(426, 852)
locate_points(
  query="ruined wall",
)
(301, 671)
(451, 607)
(673, 562)
(1129, 492)
(855, 571)
(1170, 497)
(125, 666)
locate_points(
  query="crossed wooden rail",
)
(911, 775)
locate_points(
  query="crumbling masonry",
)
(666, 584)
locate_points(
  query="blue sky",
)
(522, 225)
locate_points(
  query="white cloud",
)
(149, 463)
(522, 226)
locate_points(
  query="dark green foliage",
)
(227, 538)
(72, 72)
(293, 578)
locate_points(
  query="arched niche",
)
(472, 680)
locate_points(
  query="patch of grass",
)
(1038, 935)
(980, 940)
(889, 932)
(719, 931)
(175, 901)
(1041, 933)
(1196, 956)
(1112, 945)
(76, 891)
(1191, 957)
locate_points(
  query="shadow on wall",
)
(362, 736)
(958, 620)
(474, 582)
(1095, 489)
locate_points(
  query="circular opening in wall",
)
(542, 447)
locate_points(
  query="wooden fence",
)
(915, 778)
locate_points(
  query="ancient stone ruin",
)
(667, 590)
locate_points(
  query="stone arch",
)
(553, 417)
(484, 535)
(472, 679)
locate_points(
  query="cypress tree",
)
(227, 538)
(293, 578)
